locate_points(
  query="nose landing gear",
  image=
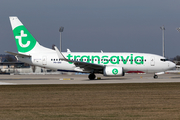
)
(159, 73)
(155, 76)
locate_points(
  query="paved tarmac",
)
(83, 79)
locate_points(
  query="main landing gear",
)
(155, 76)
(92, 76)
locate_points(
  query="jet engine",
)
(113, 71)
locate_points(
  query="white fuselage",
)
(148, 63)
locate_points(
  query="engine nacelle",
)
(113, 71)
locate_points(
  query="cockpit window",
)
(164, 60)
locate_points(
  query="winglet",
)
(78, 63)
(60, 55)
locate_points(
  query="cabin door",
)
(152, 61)
(44, 60)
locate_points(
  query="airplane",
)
(108, 64)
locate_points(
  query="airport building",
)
(10, 65)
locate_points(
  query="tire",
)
(92, 76)
(155, 76)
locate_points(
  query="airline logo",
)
(105, 59)
(20, 39)
(24, 40)
(115, 71)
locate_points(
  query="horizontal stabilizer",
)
(18, 54)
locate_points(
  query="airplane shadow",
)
(108, 79)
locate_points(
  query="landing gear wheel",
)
(92, 76)
(155, 76)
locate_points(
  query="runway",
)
(83, 79)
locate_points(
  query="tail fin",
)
(25, 42)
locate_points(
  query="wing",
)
(84, 65)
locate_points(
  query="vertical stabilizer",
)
(25, 42)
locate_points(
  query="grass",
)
(101, 101)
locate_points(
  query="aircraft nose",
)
(172, 65)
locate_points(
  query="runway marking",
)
(66, 79)
(4, 83)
